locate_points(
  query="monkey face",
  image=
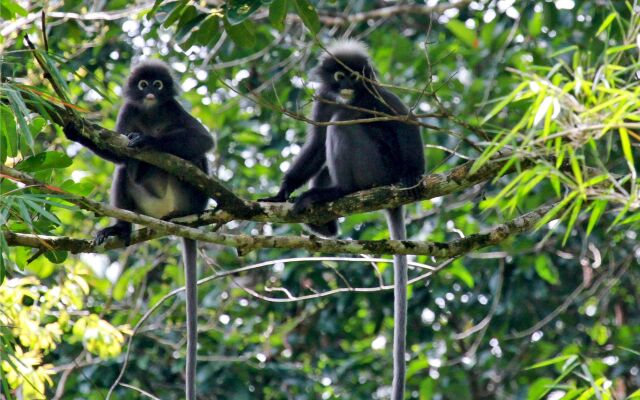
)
(150, 84)
(346, 77)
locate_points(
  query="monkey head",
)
(150, 84)
(345, 71)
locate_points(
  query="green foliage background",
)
(553, 314)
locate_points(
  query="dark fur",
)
(344, 159)
(140, 187)
(339, 160)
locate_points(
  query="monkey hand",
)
(138, 140)
(71, 131)
(412, 184)
(281, 197)
(303, 204)
(115, 230)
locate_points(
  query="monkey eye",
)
(158, 85)
(339, 75)
(142, 84)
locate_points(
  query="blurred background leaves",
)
(551, 86)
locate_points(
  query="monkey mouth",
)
(346, 95)
(149, 100)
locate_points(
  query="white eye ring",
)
(339, 75)
(142, 84)
(158, 85)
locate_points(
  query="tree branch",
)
(431, 186)
(246, 243)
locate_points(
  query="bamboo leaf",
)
(577, 207)
(506, 100)
(607, 21)
(460, 30)
(552, 361)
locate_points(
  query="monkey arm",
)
(190, 142)
(411, 153)
(312, 157)
(408, 140)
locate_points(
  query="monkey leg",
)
(120, 198)
(321, 191)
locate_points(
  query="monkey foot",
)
(330, 229)
(119, 231)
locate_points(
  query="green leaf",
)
(13, 8)
(564, 50)
(634, 395)
(82, 188)
(308, 15)
(607, 21)
(460, 30)
(506, 100)
(461, 272)
(24, 212)
(626, 149)
(620, 49)
(175, 14)
(9, 131)
(600, 334)
(576, 208)
(36, 125)
(188, 21)
(575, 167)
(20, 111)
(597, 211)
(416, 366)
(552, 361)
(632, 351)
(555, 210)
(46, 160)
(546, 270)
(242, 34)
(278, 13)
(535, 24)
(43, 212)
(56, 257)
(208, 31)
(55, 76)
(240, 10)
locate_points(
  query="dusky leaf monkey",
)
(152, 118)
(342, 159)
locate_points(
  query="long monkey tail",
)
(189, 257)
(397, 231)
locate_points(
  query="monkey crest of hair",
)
(348, 48)
(151, 78)
(347, 57)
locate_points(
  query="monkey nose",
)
(150, 96)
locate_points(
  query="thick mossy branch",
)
(431, 186)
(184, 170)
(247, 243)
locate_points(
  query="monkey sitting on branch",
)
(152, 118)
(340, 159)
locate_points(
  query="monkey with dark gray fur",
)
(152, 118)
(342, 159)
